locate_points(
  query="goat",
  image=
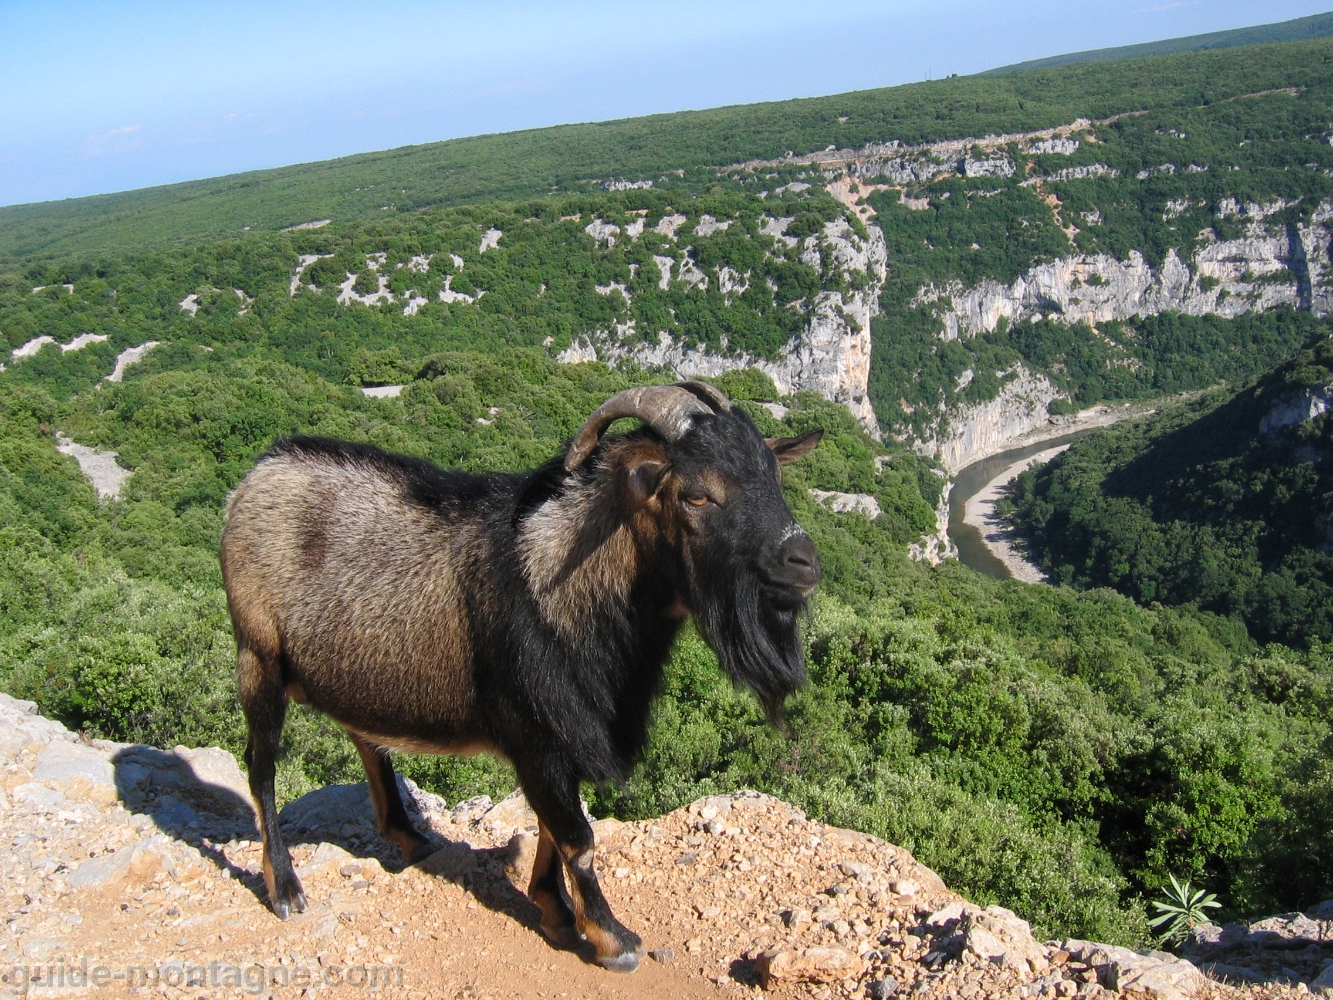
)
(527, 615)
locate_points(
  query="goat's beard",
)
(757, 641)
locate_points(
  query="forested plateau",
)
(970, 258)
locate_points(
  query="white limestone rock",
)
(1162, 973)
(1098, 288)
(1297, 408)
(604, 233)
(847, 503)
(99, 466)
(707, 225)
(80, 772)
(510, 813)
(106, 869)
(978, 429)
(303, 262)
(130, 356)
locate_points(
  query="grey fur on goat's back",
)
(386, 587)
(334, 567)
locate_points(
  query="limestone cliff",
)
(937, 546)
(1268, 267)
(975, 430)
(830, 356)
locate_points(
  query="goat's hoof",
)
(289, 900)
(412, 845)
(626, 961)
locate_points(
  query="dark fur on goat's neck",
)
(602, 588)
(571, 597)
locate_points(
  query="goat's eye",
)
(697, 501)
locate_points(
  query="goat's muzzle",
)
(795, 571)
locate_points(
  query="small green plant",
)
(1182, 910)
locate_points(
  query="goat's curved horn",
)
(709, 394)
(667, 409)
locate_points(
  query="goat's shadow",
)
(201, 798)
(342, 815)
(192, 797)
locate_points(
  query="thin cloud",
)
(117, 140)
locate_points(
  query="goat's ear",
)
(790, 449)
(646, 477)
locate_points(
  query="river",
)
(973, 549)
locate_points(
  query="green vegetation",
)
(535, 163)
(1184, 909)
(546, 282)
(1314, 26)
(1205, 505)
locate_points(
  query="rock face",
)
(1297, 408)
(847, 503)
(980, 429)
(144, 863)
(1157, 973)
(993, 935)
(831, 356)
(1268, 267)
(937, 546)
(1228, 278)
(899, 163)
(129, 356)
(100, 466)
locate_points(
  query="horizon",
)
(123, 97)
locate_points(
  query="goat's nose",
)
(800, 562)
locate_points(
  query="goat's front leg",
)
(548, 877)
(556, 802)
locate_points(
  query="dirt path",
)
(406, 935)
(706, 887)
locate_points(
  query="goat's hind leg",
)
(390, 813)
(264, 701)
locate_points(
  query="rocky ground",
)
(133, 871)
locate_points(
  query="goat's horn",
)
(667, 409)
(709, 394)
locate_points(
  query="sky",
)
(109, 96)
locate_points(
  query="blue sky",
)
(108, 96)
